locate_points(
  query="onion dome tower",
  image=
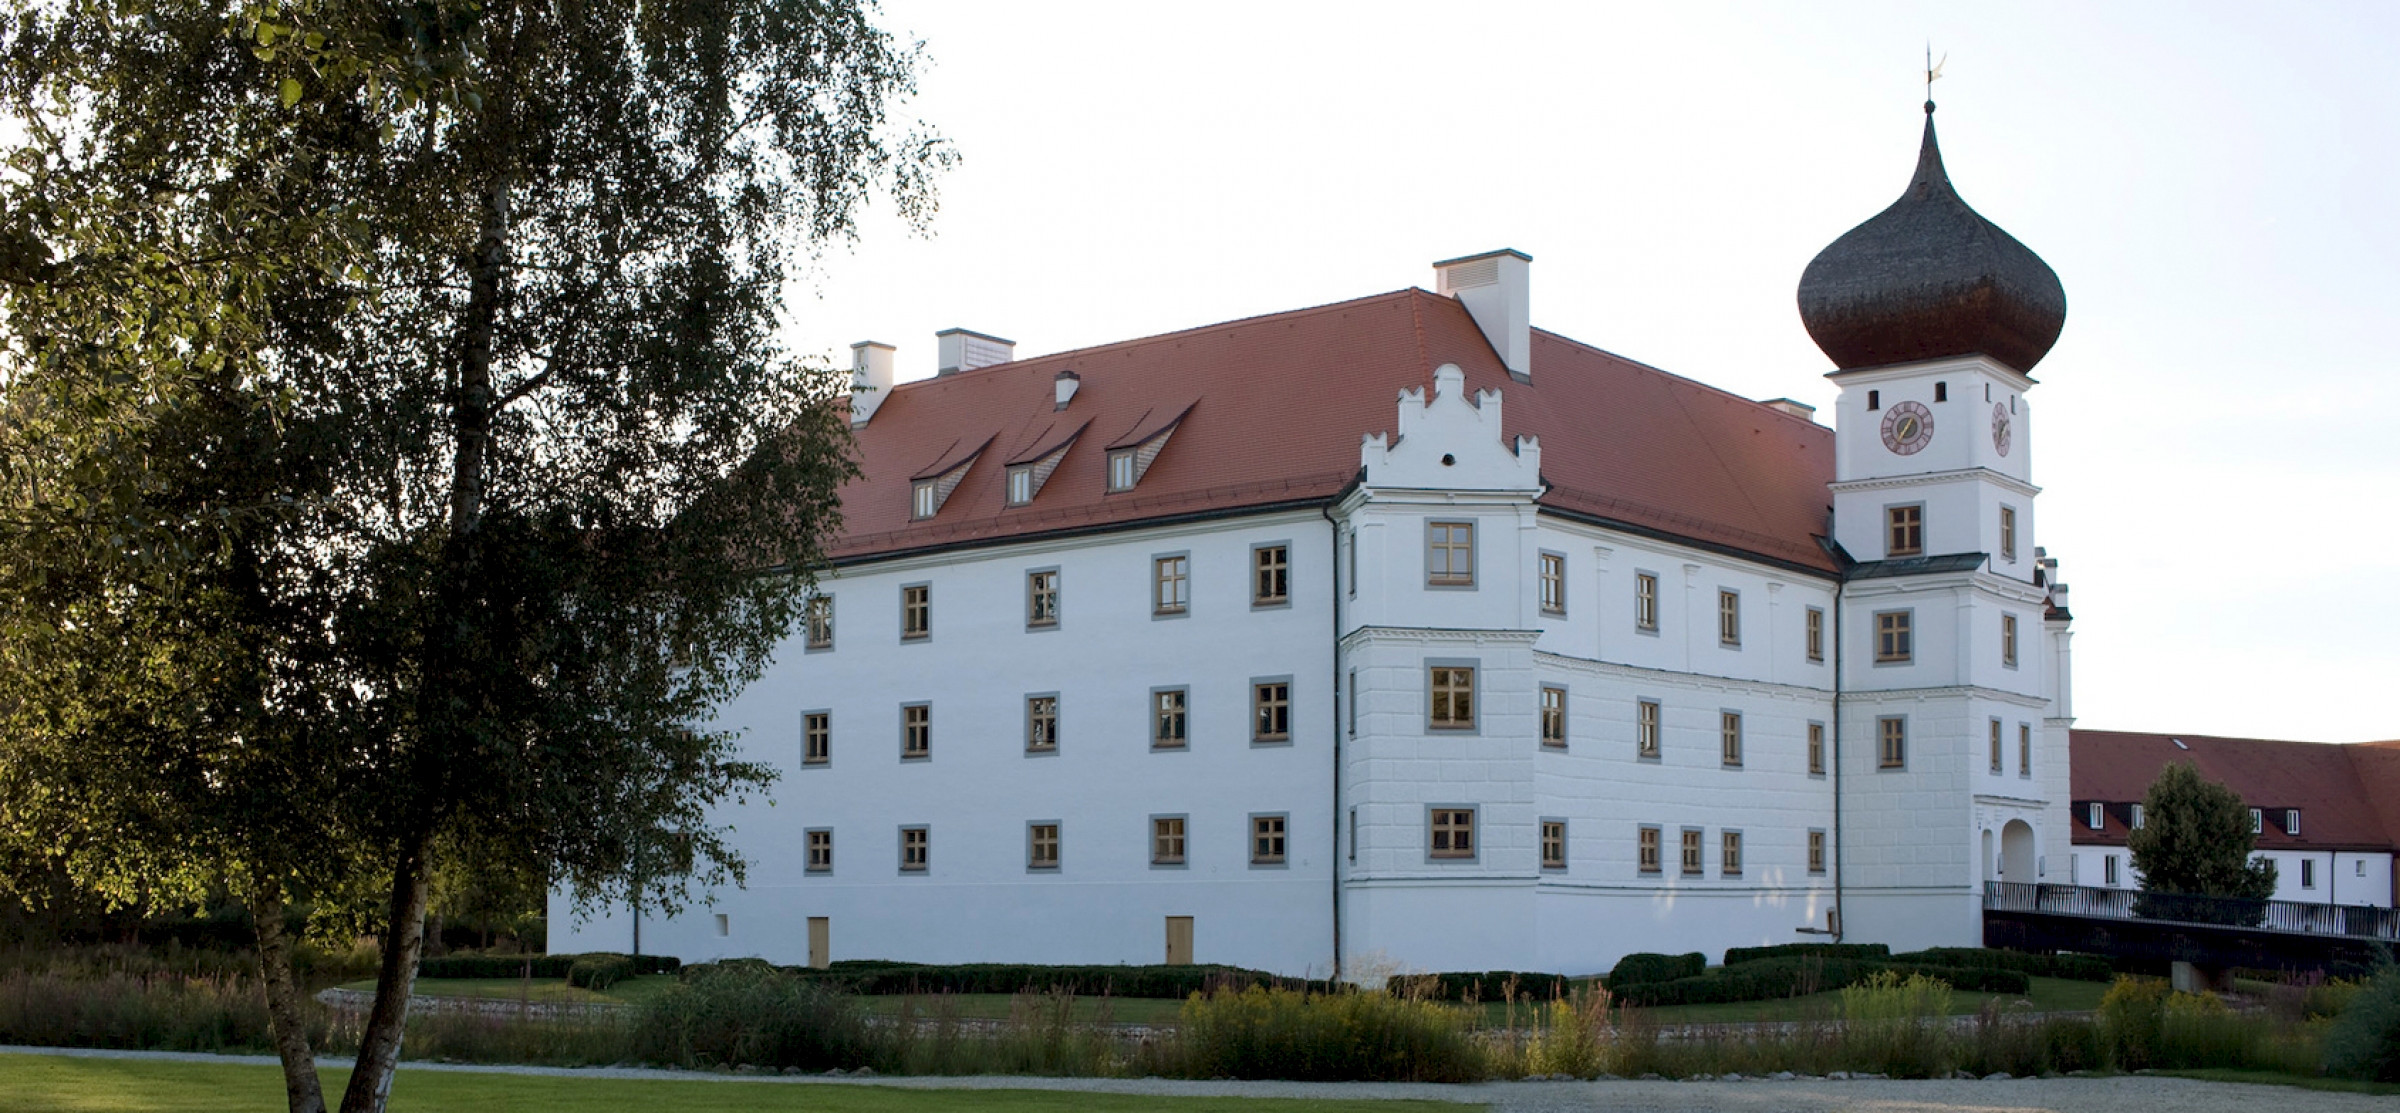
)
(1930, 278)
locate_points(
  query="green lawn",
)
(51, 1084)
(630, 991)
(2277, 1078)
(2047, 995)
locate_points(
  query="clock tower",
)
(1953, 706)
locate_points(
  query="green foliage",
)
(2195, 839)
(1279, 1033)
(537, 966)
(2133, 1022)
(732, 1014)
(1641, 968)
(1735, 956)
(598, 972)
(2364, 1042)
(1489, 985)
(2083, 968)
(885, 978)
(1798, 976)
(1899, 1025)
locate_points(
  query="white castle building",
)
(1401, 627)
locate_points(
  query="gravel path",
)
(2132, 1094)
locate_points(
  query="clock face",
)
(1907, 428)
(2001, 431)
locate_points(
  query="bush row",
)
(873, 979)
(1488, 985)
(1735, 956)
(538, 966)
(1636, 969)
(1771, 978)
(2082, 968)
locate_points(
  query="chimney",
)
(1495, 288)
(963, 350)
(870, 379)
(1801, 410)
(1068, 383)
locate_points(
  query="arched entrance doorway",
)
(2016, 852)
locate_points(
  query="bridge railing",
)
(2128, 904)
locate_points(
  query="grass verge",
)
(2281, 1078)
(30, 1083)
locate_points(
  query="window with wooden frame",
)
(1168, 717)
(2008, 640)
(1271, 711)
(916, 849)
(1645, 728)
(916, 611)
(1166, 840)
(1554, 717)
(1450, 554)
(1554, 844)
(1453, 689)
(1816, 634)
(820, 622)
(1271, 575)
(1729, 736)
(1998, 765)
(1895, 643)
(1120, 470)
(1171, 584)
(1266, 840)
(1692, 865)
(1554, 583)
(1904, 531)
(2008, 533)
(820, 850)
(1729, 618)
(1892, 742)
(1645, 601)
(1041, 598)
(1041, 723)
(1816, 749)
(2025, 749)
(1041, 846)
(1729, 853)
(1453, 833)
(1816, 852)
(816, 738)
(923, 499)
(916, 730)
(1649, 852)
(1020, 485)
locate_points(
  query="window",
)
(2095, 817)
(1729, 618)
(1353, 547)
(1895, 644)
(916, 611)
(1874, 399)
(816, 738)
(1554, 583)
(2308, 873)
(1941, 392)
(1266, 840)
(2025, 749)
(2258, 821)
(1041, 723)
(820, 622)
(1645, 728)
(1120, 470)
(2008, 640)
(1171, 584)
(1453, 831)
(2137, 818)
(1020, 485)
(1354, 834)
(1554, 844)
(916, 849)
(1816, 634)
(2291, 822)
(1997, 766)
(820, 850)
(1893, 735)
(1167, 718)
(1271, 581)
(1729, 853)
(1645, 601)
(1816, 852)
(1816, 749)
(1450, 554)
(1271, 704)
(1166, 840)
(1729, 735)
(1041, 846)
(2008, 533)
(1649, 851)
(1041, 598)
(1554, 717)
(924, 499)
(1453, 697)
(916, 730)
(2109, 869)
(1351, 723)
(1904, 531)
(1691, 852)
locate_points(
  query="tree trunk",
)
(403, 942)
(284, 1016)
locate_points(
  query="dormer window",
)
(1130, 456)
(2137, 817)
(2291, 822)
(924, 499)
(2258, 821)
(1020, 485)
(1120, 470)
(2093, 817)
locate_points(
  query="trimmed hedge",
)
(1169, 982)
(543, 966)
(2082, 968)
(598, 972)
(1772, 978)
(1639, 969)
(1735, 956)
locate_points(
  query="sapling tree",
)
(2195, 840)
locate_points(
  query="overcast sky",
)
(2214, 183)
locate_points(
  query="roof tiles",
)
(2348, 796)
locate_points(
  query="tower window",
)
(2008, 640)
(1816, 749)
(1874, 399)
(1453, 691)
(1941, 392)
(1453, 831)
(2008, 533)
(2025, 749)
(1450, 554)
(1998, 764)
(1895, 641)
(1904, 533)
(1816, 634)
(1554, 717)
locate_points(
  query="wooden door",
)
(1179, 940)
(820, 941)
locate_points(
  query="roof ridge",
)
(1711, 388)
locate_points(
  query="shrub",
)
(1280, 1033)
(1737, 955)
(2078, 967)
(1642, 968)
(535, 966)
(2365, 1040)
(735, 1015)
(597, 972)
(1898, 1025)
(1489, 985)
(157, 1012)
(1771, 978)
(2133, 1022)
(871, 978)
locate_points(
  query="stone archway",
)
(2017, 853)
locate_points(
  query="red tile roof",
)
(2348, 796)
(1272, 409)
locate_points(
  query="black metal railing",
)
(2286, 916)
